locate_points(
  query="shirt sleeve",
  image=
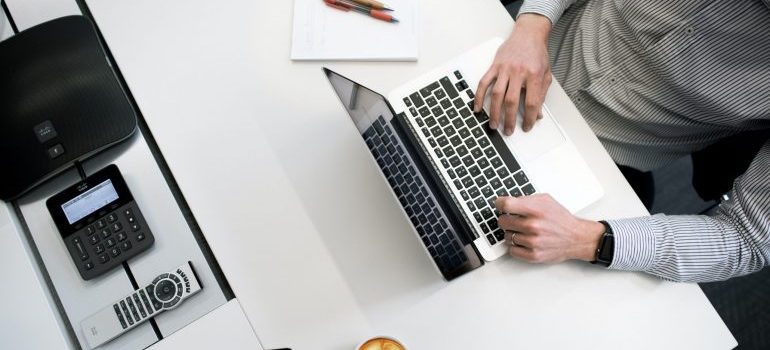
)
(549, 8)
(734, 241)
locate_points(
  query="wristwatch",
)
(606, 248)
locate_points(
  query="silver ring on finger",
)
(513, 235)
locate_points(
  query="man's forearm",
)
(698, 248)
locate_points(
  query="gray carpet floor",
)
(743, 302)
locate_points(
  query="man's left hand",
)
(540, 230)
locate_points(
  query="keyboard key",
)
(464, 195)
(425, 132)
(521, 178)
(447, 85)
(489, 173)
(470, 93)
(445, 103)
(458, 184)
(445, 163)
(100, 224)
(458, 102)
(461, 171)
(104, 258)
(502, 172)
(486, 213)
(458, 75)
(105, 232)
(442, 141)
(487, 191)
(528, 189)
(464, 132)
(439, 94)
(496, 184)
(470, 205)
(477, 153)
(112, 217)
(437, 110)
(418, 102)
(480, 203)
(483, 163)
(462, 151)
(468, 160)
(480, 181)
(420, 123)
(490, 152)
(452, 113)
(424, 112)
(455, 141)
(430, 121)
(474, 192)
(88, 265)
(407, 102)
(461, 85)
(491, 239)
(515, 192)
(474, 171)
(458, 124)
(413, 111)
(448, 151)
(90, 230)
(471, 121)
(99, 249)
(470, 143)
(426, 91)
(450, 131)
(465, 112)
(499, 235)
(492, 223)
(483, 142)
(478, 133)
(509, 183)
(436, 131)
(443, 121)
(455, 161)
(501, 192)
(482, 116)
(431, 101)
(114, 251)
(478, 217)
(451, 174)
(467, 181)
(93, 239)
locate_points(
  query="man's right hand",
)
(521, 63)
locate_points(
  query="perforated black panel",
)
(56, 74)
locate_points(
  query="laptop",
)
(446, 167)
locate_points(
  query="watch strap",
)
(605, 251)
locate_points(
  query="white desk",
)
(306, 231)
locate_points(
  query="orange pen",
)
(347, 6)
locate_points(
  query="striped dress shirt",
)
(657, 80)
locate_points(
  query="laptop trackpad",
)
(543, 137)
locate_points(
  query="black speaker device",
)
(60, 102)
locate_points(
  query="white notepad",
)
(325, 33)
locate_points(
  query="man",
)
(655, 80)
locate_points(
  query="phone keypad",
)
(108, 240)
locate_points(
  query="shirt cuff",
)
(548, 8)
(634, 244)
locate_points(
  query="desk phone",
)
(100, 222)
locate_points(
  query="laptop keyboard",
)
(414, 195)
(477, 160)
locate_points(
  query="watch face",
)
(607, 250)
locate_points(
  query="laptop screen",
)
(364, 106)
(389, 143)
